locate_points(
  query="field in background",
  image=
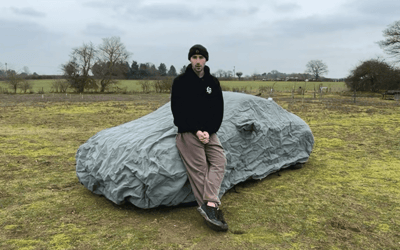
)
(347, 196)
(285, 86)
(252, 86)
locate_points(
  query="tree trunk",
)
(355, 95)
(81, 82)
(103, 84)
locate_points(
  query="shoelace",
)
(213, 212)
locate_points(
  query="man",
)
(197, 106)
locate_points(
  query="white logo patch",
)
(209, 90)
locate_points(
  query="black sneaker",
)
(220, 217)
(211, 215)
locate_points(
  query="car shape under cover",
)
(138, 161)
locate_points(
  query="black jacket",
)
(197, 103)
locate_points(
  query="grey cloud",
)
(96, 4)
(287, 7)
(100, 30)
(187, 13)
(168, 12)
(240, 11)
(22, 32)
(383, 9)
(28, 12)
(116, 5)
(25, 41)
(155, 12)
(320, 24)
(351, 16)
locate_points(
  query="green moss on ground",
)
(346, 196)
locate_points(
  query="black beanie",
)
(198, 49)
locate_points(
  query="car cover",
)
(138, 161)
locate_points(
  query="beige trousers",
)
(205, 165)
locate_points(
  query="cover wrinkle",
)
(138, 161)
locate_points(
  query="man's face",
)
(198, 62)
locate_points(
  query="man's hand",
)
(204, 137)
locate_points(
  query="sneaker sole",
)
(214, 227)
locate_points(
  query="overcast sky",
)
(253, 36)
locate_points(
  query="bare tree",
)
(111, 61)
(391, 45)
(163, 84)
(220, 73)
(85, 57)
(239, 74)
(60, 85)
(25, 85)
(145, 84)
(77, 69)
(316, 68)
(14, 81)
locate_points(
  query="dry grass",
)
(346, 197)
(135, 86)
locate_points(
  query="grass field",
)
(251, 86)
(347, 196)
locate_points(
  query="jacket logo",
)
(209, 90)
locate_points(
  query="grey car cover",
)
(138, 161)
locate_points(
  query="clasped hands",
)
(204, 137)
